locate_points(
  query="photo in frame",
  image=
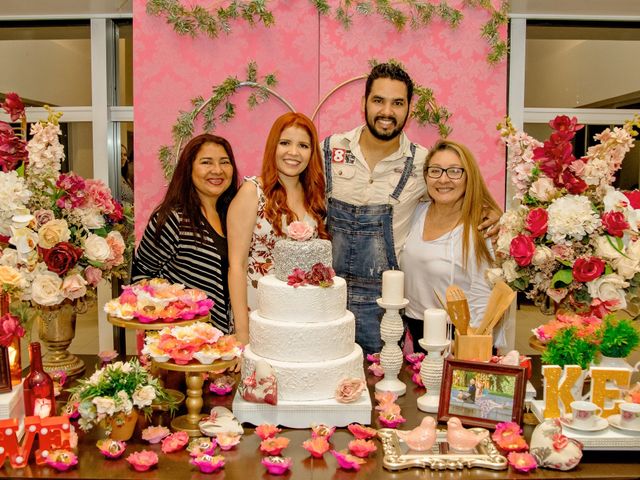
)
(481, 394)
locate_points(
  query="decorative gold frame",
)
(397, 456)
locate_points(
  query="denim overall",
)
(363, 248)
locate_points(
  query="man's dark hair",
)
(391, 71)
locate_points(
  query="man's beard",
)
(381, 135)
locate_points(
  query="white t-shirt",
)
(430, 265)
(354, 183)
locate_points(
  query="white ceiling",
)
(54, 9)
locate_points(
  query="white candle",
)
(393, 286)
(435, 326)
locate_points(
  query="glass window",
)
(582, 65)
(124, 67)
(46, 58)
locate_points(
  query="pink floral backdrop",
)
(310, 55)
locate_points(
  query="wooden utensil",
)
(444, 307)
(458, 308)
(499, 301)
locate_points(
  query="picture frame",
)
(482, 394)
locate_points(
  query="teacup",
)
(630, 415)
(585, 414)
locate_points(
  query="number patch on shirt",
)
(338, 155)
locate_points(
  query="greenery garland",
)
(220, 95)
(415, 13)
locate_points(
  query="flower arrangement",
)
(574, 238)
(158, 300)
(568, 348)
(61, 233)
(320, 275)
(116, 388)
(200, 341)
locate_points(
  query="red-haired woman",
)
(291, 188)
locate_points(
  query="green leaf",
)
(562, 278)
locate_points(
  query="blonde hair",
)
(476, 197)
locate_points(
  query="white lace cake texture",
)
(301, 342)
(289, 254)
(308, 381)
(306, 304)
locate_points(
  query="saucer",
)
(614, 421)
(600, 424)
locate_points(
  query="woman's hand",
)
(490, 222)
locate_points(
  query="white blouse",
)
(431, 265)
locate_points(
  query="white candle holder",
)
(431, 374)
(391, 330)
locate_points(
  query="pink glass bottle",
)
(39, 399)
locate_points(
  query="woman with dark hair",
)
(184, 241)
(290, 188)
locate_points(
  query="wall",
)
(310, 56)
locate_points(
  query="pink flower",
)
(385, 398)
(346, 461)
(10, 328)
(615, 223)
(61, 460)
(391, 420)
(316, 446)
(202, 446)
(13, 106)
(108, 355)
(522, 249)
(564, 124)
(588, 269)
(376, 369)
(634, 198)
(300, 231)
(208, 463)
(320, 275)
(155, 434)
(226, 441)
(362, 448)
(361, 432)
(273, 446)
(522, 462)
(536, 222)
(414, 358)
(417, 379)
(111, 448)
(175, 442)
(267, 430)
(277, 465)
(373, 357)
(559, 441)
(322, 430)
(349, 390)
(143, 460)
(297, 278)
(508, 437)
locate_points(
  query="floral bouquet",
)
(117, 388)
(61, 233)
(199, 340)
(157, 299)
(574, 238)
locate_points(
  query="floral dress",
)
(263, 242)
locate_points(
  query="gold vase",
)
(122, 426)
(15, 361)
(56, 329)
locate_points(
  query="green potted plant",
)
(619, 337)
(568, 348)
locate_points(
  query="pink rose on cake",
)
(300, 231)
(349, 390)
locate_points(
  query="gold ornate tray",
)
(398, 456)
(137, 325)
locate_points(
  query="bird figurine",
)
(459, 438)
(511, 358)
(422, 437)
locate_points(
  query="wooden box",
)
(473, 347)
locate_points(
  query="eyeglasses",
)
(454, 173)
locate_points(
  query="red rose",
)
(10, 328)
(634, 198)
(587, 269)
(62, 257)
(522, 250)
(615, 223)
(536, 222)
(13, 106)
(574, 185)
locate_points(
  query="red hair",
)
(312, 178)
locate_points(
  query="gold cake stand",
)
(137, 325)
(193, 373)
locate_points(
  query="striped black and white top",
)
(180, 256)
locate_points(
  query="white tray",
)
(303, 414)
(608, 439)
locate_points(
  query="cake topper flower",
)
(111, 448)
(208, 463)
(346, 461)
(143, 460)
(390, 419)
(361, 448)
(417, 379)
(316, 446)
(267, 430)
(320, 275)
(508, 438)
(376, 369)
(277, 465)
(322, 430)
(227, 440)
(202, 445)
(413, 358)
(349, 390)
(62, 460)
(273, 446)
(300, 231)
(175, 442)
(222, 385)
(362, 432)
(522, 462)
(155, 434)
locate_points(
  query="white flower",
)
(609, 288)
(124, 402)
(24, 239)
(510, 270)
(53, 232)
(543, 189)
(493, 275)
(604, 249)
(9, 257)
(14, 195)
(144, 396)
(542, 255)
(571, 217)
(92, 218)
(46, 289)
(74, 286)
(626, 267)
(104, 405)
(96, 248)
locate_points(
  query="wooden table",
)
(244, 461)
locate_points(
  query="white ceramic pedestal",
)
(431, 375)
(391, 330)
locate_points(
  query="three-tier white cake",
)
(307, 335)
